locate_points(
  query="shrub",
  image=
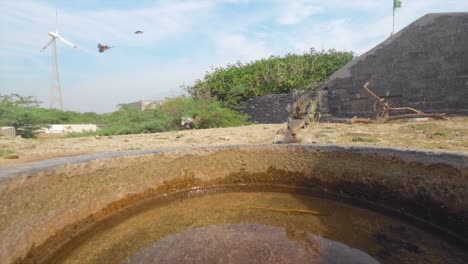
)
(26, 117)
(236, 82)
(24, 113)
(131, 120)
(363, 139)
(205, 114)
(167, 117)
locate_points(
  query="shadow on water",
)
(246, 243)
(210, 221)
(394, 221)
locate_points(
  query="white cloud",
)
(209, 32)
(361, 33)
(233, 1)
(295, 12)
(27, 24)
(237, 47)
(27, 71)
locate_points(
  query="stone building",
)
(147, 104)
(424, 66)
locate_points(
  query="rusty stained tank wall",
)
(45, 203)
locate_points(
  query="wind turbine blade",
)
(48, 44)
(67, 42)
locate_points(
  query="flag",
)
(396, 4)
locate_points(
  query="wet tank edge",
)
(456, 159)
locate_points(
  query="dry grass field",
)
(449, 134)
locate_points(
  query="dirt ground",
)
(449, 134)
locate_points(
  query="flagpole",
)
(396, 4)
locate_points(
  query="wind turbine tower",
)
(56, 100)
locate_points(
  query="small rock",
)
(11, 156)
(225, 138)
(178, 136)
(419, 119)
(97, 137)
(359, 133)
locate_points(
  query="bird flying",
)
(138, 32)
(103, 48)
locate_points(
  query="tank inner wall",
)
(44, 204)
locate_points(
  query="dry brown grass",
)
(449, 134)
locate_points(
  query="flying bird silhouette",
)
(138, 32)
(103, 48)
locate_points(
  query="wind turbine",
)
(56, 89)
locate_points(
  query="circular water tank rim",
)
(441, 165)
(457, 159)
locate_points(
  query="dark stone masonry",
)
(268, 109)
(424, 66)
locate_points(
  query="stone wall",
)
(424, 66)
(268, 109)
(271, 108)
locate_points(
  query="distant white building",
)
(69, 128)
(147, 104)
(8, 131)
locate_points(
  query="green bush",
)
(363, 139)
(236, 82)
(16, 111)
(131, 120)
(167, 117)
(205, 114)
(24, 113)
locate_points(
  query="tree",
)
(15, 110)
(19, 101)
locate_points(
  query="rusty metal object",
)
(382, 111)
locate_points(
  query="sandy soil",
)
(432, 134)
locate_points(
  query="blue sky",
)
(181, 41)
